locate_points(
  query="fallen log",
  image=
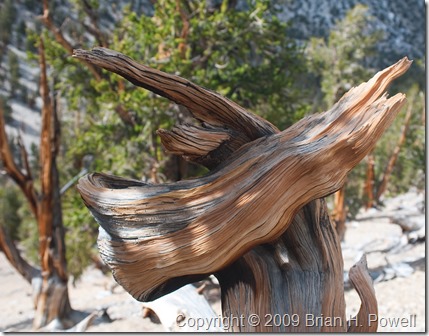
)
(255, 221)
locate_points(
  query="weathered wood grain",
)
(299, 278)
(160, 233)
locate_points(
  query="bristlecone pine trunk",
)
(257, 220)
(50, 293)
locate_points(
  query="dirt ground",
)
(397, 265)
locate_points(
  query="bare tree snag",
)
(94, 29)
(255, 220)
(50, 292)
(52, 300)
(59, 37)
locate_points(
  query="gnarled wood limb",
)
(180, 227)
(367, 318)
(205, 105)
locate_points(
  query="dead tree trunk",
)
(50, 293)
(256, 220)
(52, 301)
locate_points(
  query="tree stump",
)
(257, 220)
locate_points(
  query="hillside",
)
(402, 22)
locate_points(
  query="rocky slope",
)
(403, 23)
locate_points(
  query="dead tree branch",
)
(46, 19)
(60, 38)
(23, 180)
(8, 247)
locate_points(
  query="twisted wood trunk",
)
(291, 282)
(256, 220)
